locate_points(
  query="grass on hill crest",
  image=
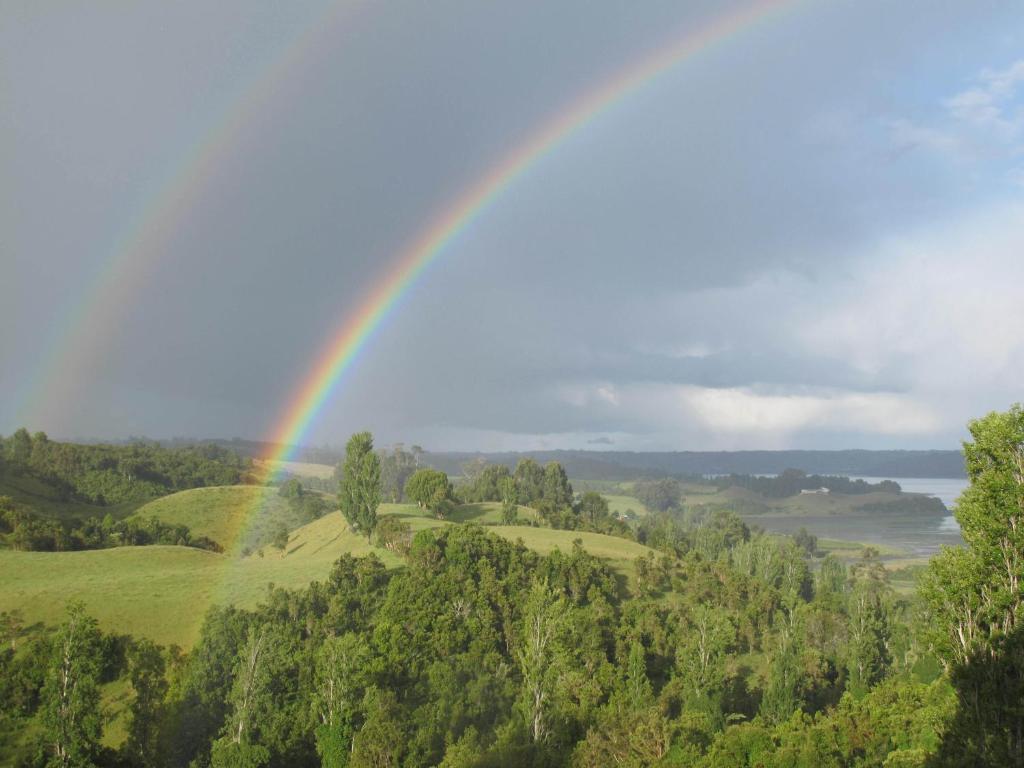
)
(238, 517)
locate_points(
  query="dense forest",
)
(71, 496)
(731, 647)
(107, 475)
(25, 531)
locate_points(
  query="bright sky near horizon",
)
(808, 236)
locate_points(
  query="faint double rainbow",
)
(125, 268)
(116, 281)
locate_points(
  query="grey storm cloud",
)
(753, 250)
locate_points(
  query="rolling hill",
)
(238, 517)
(162, 592)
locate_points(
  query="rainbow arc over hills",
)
(352, 337)
(141, 243)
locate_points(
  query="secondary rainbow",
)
(141, 243)
(352, 337)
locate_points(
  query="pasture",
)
(162, 592)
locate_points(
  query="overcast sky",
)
(810, 236)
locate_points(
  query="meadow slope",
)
(162, 592)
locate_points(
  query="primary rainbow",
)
(352, 337)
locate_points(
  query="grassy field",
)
(298, 468)
(620, 503)
(235, 516)
(620, 553)
(851, 551)
(484, 513)
(162, 592)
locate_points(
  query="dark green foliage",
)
(509, 500)
(228, 753)
(431, 490)
(529, 477)
(71, 718)
(976, 597)
(109, 474)
(396, 467)
(394, 534)
(359, 490)
(307, 505)
(31, 533)
(593, 508)
(280, 538)
(486, 485)
(557, 491)
(792, 481)
(148, 677)
(806, 541)
(291, 489)
(197, 703)
(658, 495)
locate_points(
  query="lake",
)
(918, 534)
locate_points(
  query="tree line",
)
(364, 472)
(107, 475)
(792, 481)
(28, 532)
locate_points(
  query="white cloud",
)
(928, 327)
(741, 410)
(941, 306)
(608, 394)
(906, 135)
(984, 122)
(990, 103)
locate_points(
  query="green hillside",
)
(162, 592)
(482, 512)
(619, 504)
(298, 468)
(238, 517)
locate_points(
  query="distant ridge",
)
(625, 465)
(629, 465)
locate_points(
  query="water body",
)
(915, 533)
(945, 489)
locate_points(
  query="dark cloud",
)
(703, 265)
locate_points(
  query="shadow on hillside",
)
(406, 515)
(468, 513)
(988, 728)
(326, 544)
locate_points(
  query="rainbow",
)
(143, 239)
(353, 336)
(147, 232)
